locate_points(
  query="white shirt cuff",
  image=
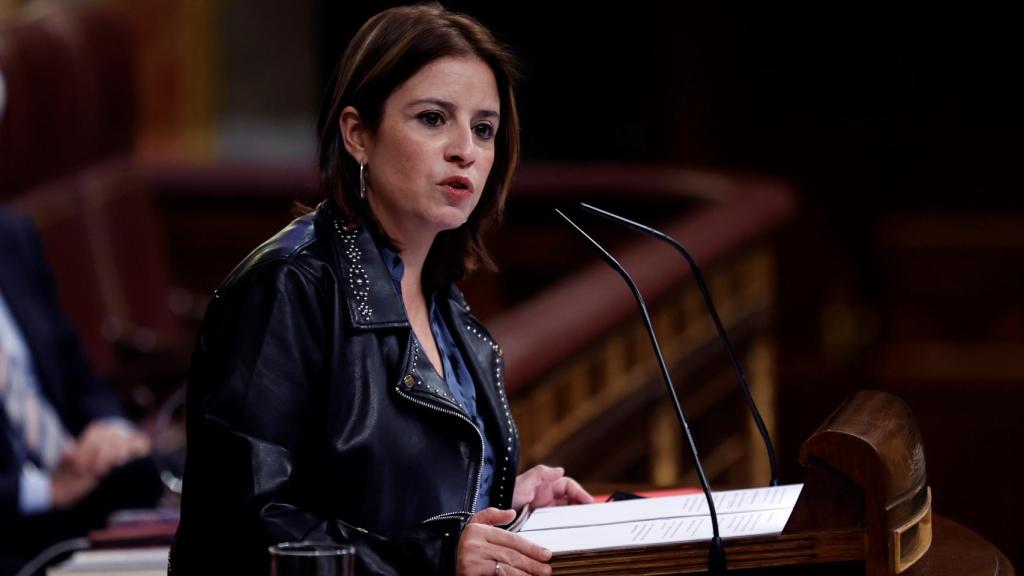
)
(34, 496)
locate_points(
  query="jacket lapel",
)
(365, 281)
(373, 303)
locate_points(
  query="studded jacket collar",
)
(309, 417)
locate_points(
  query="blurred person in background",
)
(68, 456)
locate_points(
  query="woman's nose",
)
(461, 148)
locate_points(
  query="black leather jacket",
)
(313, 415)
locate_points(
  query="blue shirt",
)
(456, 374)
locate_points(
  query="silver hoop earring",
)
(362, 180)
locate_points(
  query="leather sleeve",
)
(425, 549)
(252, 395)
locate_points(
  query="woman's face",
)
(429, 159)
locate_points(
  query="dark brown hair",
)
(388, 50)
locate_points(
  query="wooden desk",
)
(956, 551)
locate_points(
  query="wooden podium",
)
(864, 509)
(865, 502)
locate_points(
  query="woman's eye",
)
(432, 118)
(484, 131)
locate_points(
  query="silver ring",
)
(497, 568)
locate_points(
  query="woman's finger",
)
(547, 473)
(515, 562)
(482, 546)
(493, 517)
(516, 542)
(576, 494)
(508, 570)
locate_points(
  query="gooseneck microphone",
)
(714, 316)
(716, 555)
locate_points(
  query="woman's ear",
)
(354, 134)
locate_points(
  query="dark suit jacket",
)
(64, 375)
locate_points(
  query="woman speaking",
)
(341, 390)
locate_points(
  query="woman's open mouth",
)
(457, 188)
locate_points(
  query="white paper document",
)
(750, 512)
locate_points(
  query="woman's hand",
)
(485, 550)
(543, 486)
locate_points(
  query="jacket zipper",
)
(446, 516)
(479, 470)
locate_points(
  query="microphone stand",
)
(714, 316)
(716, 554)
